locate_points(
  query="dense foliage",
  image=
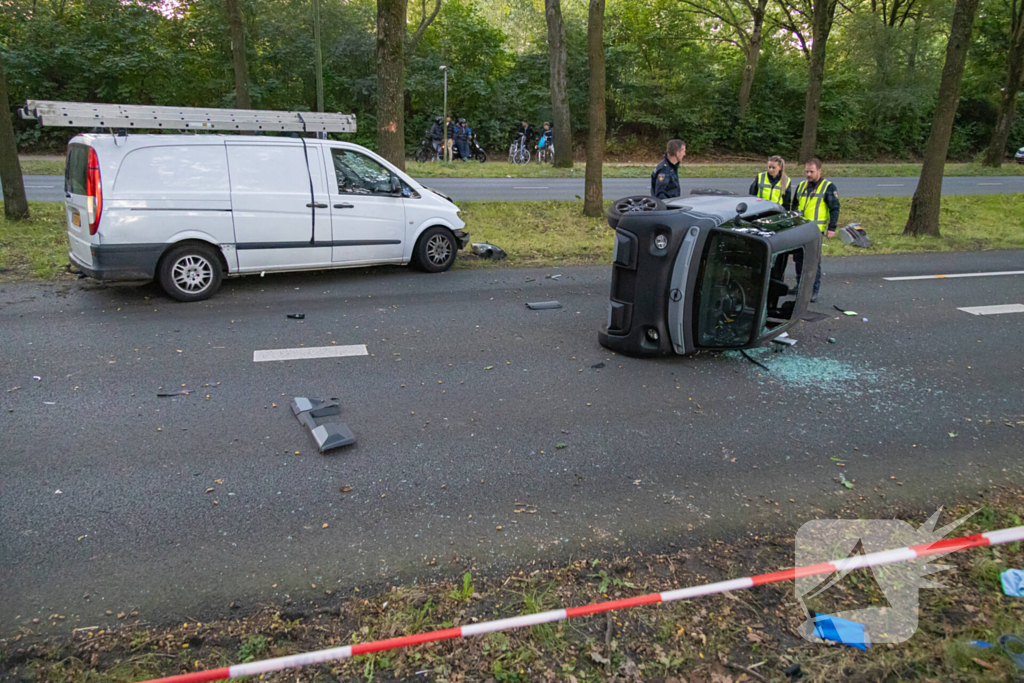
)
(670, 71)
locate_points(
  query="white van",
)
(188, 210)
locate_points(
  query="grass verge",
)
(712, 638)
(501, 169)
(556, 232)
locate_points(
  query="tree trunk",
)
(15, 202)
(924, 210)
(559, 88)
(391, 80)
(824, 13)
(752, 52)
(238, 55)
(1008, 102)
(593, 190)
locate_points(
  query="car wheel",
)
(436, 250)
(621, 207)
(190, 273)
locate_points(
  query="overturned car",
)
(704, 272)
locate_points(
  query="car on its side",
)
(189, 210)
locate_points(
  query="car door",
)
(273, 206)
(367, 217)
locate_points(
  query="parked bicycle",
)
(519, 153)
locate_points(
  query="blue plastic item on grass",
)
(828, 627)
(1013, 582)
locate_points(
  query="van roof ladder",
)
(144, 117)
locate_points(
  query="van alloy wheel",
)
(439, 249)
(192, 273)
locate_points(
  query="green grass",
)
(556, 232)
(34, 249)
(639, 170)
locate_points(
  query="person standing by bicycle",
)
(437, 135)
(526, 131)
(547, 136)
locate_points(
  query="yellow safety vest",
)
(773, 193)
(812, 204)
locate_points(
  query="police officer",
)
(773, 184)
(665, 179)
(816, 198)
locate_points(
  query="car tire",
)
(621, 207)
(190, 273)
(436, 250)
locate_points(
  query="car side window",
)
(359, 174)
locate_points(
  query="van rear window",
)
(76, 169)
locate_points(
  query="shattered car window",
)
(730, 288)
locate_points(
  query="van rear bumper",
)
(121, 261)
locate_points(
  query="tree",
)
(559, 90)
(593, 188)
(425, 21)
(819, 15)
(391, 20)
(1014, 82)
(15, 202)
(744, 20)
(238, 55)
(924, 210)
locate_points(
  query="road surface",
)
(51, 188)
(466, 407)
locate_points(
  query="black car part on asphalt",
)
(704, 273)
(328, 436)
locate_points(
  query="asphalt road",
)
(467, 405)
(51, 188)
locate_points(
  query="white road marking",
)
(305, 353)
(993, 310)
(989, 183)
(892, 184)
(940, 277)
(531, 187)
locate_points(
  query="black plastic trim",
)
(248, 246)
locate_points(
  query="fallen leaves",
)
(345, 489)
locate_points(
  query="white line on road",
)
(989, 183)
(993, 310)
(892, 184)
(531, 187)
(940, 277)
(311, 352)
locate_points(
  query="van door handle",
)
(316, 205)
(346, 205)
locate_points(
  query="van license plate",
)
(76, 219)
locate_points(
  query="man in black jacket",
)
(437, 134)
(462, 139)
(665, 179)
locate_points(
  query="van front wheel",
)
(436, 249)
(190, 273)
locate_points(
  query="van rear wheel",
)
(190, 273)
(436, 249)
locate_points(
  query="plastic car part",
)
(333, 435)
(316, 407)
(853, 235)
(543, 305)
(488, 250)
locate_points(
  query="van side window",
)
(359, 174)
(76, 170)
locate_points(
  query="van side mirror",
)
(396, 185)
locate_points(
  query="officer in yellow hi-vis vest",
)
(774, 184)
(816, 198)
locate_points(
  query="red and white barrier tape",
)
(847, 564)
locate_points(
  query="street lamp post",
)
(444, 152)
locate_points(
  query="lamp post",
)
(444, 152)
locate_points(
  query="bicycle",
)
(546, 154)
(518, 153)
(426, 152)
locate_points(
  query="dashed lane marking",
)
(953, 275)
(993, 310)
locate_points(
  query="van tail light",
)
(93, 192)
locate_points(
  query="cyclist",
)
(547, 136)
(436, 134)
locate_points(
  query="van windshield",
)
(77, 169)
